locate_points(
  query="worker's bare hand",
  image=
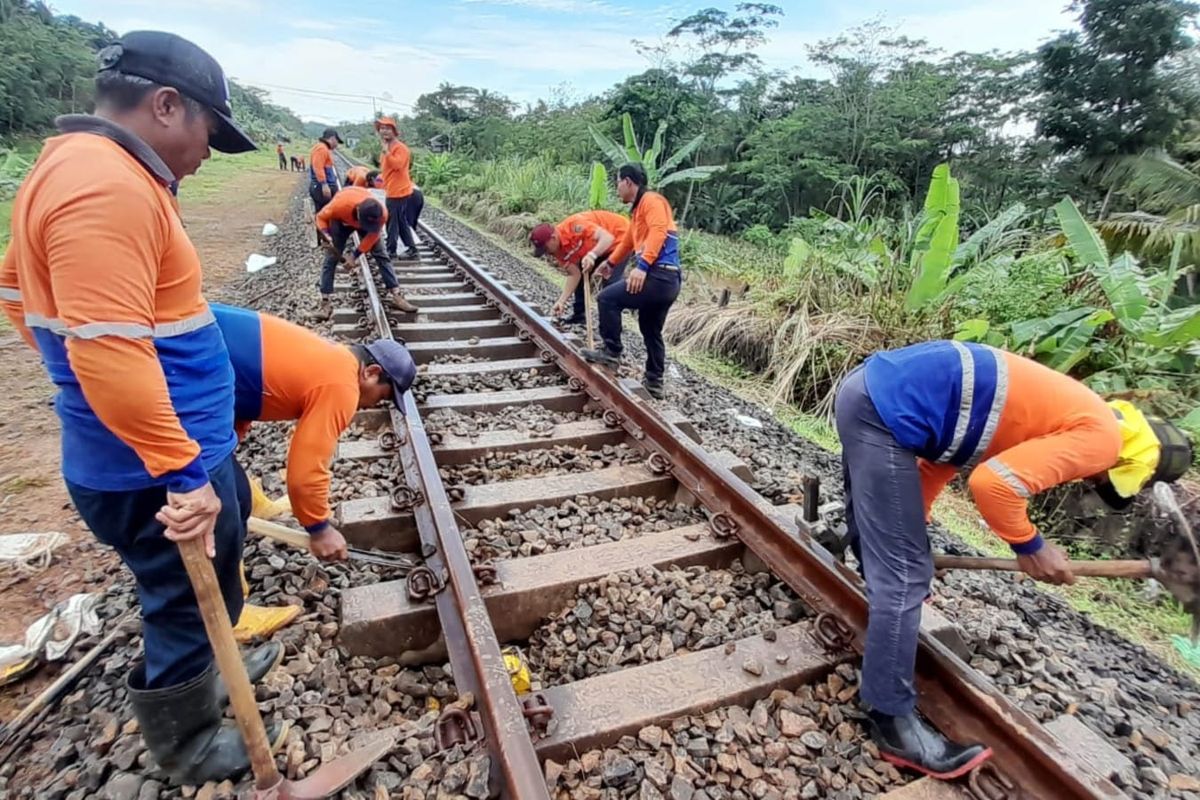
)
(328, 544)
(1049, 565)
(326, 192)
(588, 261)
(605, 269)
(560, 307)
(348, 263)
(635, 280)
(192, 515)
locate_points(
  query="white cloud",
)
(564, 6)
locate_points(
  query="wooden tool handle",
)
(229, 661)
(1083, 569)
(280, 533)
(587, 309)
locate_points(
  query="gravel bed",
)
(531, 418)
(508, 381)
(581, 522)
(632, 618)
(805, 744)
(560, 460)
(1148, 695)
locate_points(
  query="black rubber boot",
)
(655, 389)
(259, 662)
(601, 355)
(184, 729)
(574, 319)
(912, 743)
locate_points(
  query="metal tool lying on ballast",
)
(295, 538)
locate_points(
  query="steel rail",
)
(475, 659)
(1028, 761)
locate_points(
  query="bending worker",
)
(398, 186)
(355, 209)
(650, 287)
(909, 421)
(285, 372)
(589, 235)
(101, 278)
(358, 175)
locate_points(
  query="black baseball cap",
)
(173, 61)
(397, 362)
(331, 133)
(370, 215)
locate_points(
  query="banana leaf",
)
(598, 189)
(799, 252)
(1125, 287)
(650, 157)
(631, 144)
(611, 150)
(936, 240)
(682, 153)
(698, 174)
(1087, 245)
(970, 249)
(1175, 328)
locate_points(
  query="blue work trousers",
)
(176, 644)
(341, 234)
(618, 275)
(885, 518)
(400, 210)
(652, 304)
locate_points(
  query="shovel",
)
(268, 783)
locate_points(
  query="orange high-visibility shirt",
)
(320, 165)
(395, 163)
(342, 207)
(357, 176)
(577, 234)
(1052, 430)
(286, 372)
(651, 236)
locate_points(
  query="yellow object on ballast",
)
(518, 670)
(262, 621)
(264, 507)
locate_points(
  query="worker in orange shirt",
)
(355, 209)
(911, 419)
(588, 233)
(650, 287)
(358, 175)
(398, 186)
(285, 372)
(322, 177)
(101, 278)
(283, 162)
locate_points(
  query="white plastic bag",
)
(30, 552)
(270, 229)
(52, 636)
(256, 262)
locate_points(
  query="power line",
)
(320, 93)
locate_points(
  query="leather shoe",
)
(910, 742)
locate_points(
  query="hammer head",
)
(1180, 562)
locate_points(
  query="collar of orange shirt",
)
(136, 147)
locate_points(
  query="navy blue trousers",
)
(618, 274)
(885, 520)
(176, 645)
(341, 234)
(400, 210)
(652, 303)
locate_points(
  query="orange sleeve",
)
(10, 297)
(326, 415)
(1003, 484)
(103, 272)
(622, 248)
(658, 225)
(934, 478)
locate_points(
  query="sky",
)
(305, 53)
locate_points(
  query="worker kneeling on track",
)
(285, 372)
(101, 278)
(352, 210)
(651, 287)
(909, 420)
(581, 242)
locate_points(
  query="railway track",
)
(530, 482)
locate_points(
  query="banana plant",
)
(658, 175)
(936, 241)
(598, 188)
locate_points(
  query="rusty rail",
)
(475, 657)
(953, 696)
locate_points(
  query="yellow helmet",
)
(1152, 450)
